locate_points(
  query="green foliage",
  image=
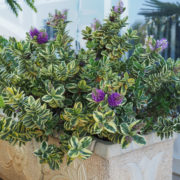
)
(166, 127)
(74, 117)
(47, 90)
(36, 115)
(130, 132)
(106, 40)
(104, 121)
(55, 97)
(15, 131)
(160, 8)
(78, 148)
(1, 102)
(50, 154)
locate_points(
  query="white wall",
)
(10, 25)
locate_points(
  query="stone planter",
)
(176, 159)
(109, 162)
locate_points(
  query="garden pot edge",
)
(108, 150)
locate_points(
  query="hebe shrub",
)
(49, 90)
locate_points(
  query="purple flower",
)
(58, 17)
(98, 95)
(34, 32)
(119, 8)
(96, 24)
(65, 11)
(162, 44)
(158, 46)
(42, 38)
(115, 99)
(63, 17)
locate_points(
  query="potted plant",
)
(97, 104)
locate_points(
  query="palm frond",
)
(15, 7)
(159, 8)
(31, 4)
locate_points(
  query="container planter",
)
(47, 89)
(176, 159)
(108, 162)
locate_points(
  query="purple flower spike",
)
(96, 25)
(98, 95)
(119, 8)
(42, 38)
(162, 44)
(115, 99)
(58, 17)
(34, 32)
(63, 17)
(65, 11)
(159, 46)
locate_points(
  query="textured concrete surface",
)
(176, 158)
(109, 162)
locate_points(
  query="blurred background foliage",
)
(16, 7)
(161, 21)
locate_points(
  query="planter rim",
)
(107, 150)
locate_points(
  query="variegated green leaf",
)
(89, 98)
(74, 142)
(7, 123)
(134, 124)
(72, 87)
(1, 102)
(124, 142)
(110, 127)
(109, 114)
(85, 142)
(126, 76)
(124, 128)
(69, 111)
(73, 153)
(30, 100)
(47, 98)
(59, 98)
(44, 146)
(85, 153)
(139, 139)
(96, 128)
(74, 121)
(130, 81)
(124, 101)
(78, 107)
(60, 90)
(82, 84)
(98, 116)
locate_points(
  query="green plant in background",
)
(48, 90)
(162, 21)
